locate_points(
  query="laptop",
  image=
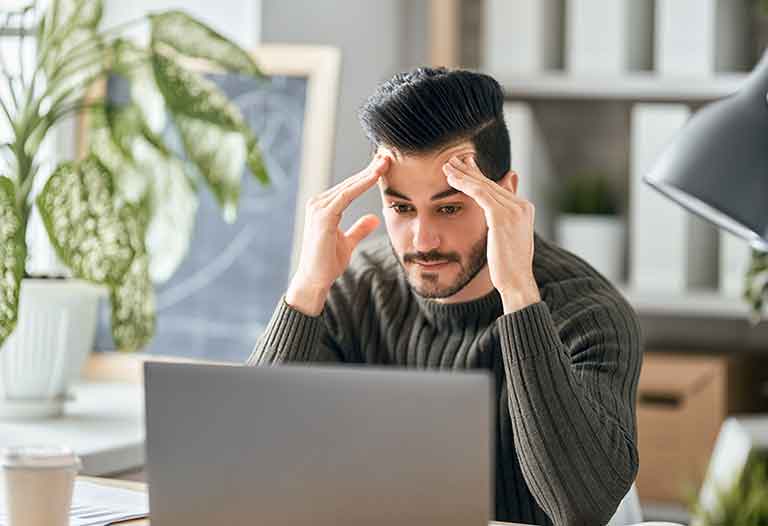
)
(309, 445)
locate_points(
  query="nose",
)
(425, 238)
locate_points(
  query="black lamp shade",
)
(717, 166)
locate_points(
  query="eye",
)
(449, 210)
(401, 208)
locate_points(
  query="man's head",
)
(422, 119)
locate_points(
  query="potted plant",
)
(120, 217)
(588, 224)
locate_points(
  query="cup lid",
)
(39, 457)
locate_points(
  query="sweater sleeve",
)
(571, 375)
(292, 336)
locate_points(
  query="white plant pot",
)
(46, 351)
(598, 239)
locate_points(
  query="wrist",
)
(307, 299)
(517, 299)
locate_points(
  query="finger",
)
(338, 203)
(470, 186)
(375, 169)
(502, 193)
(361, 229)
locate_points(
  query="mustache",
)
(432, 255)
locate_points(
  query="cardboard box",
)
(682, 402)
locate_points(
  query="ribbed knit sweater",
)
(566, 371)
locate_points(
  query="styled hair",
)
(427, 109)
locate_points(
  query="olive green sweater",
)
(566, 371)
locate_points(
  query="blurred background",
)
(595, 90)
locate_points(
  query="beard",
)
(430, 286)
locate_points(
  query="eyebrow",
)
(436, 197)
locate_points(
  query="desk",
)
(140, 486)
(104, 424)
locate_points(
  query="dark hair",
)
(431, 108)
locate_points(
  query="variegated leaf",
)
(77, 206)
(133, 299)
(135, 64)
(192, 38)
(215, 136)
(187, 93)
(62, 17)
(12, 258)
(173, 204)
(130, 182)
(219, 155)
(142, 169)
(133, 307)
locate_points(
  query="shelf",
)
(640, 86)
(697, 304)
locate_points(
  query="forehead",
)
(423, 172)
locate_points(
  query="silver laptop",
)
(321, 446)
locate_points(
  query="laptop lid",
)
(300, 445)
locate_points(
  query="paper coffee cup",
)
(38, 484)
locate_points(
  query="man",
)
(463, 282)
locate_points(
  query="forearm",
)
(578, 458)
(290, 336)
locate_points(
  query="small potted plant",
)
(589, 225)
(120, 218)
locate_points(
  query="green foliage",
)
(756, 284)
(763, 6)
(745, 503)
(124, 215)
(86, 228)
(588, 194)
(12, 254)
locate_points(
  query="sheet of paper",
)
(98, 505)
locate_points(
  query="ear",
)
(510, 181)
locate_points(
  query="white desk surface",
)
(104, 425)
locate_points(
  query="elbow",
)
(584, 511)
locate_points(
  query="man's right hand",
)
(325, 248)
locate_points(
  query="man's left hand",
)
(510, 231)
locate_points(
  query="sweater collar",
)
(472, 309)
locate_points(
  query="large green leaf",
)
(144, 168)
(192, 38)
(133, 307)
(135, 64)
(12, 257)
(214, 133)
(130, 182)
(133, 299)
(62, 17)
(173, 204)
(187, 93)
(79, 212)
(70, 48)
(219, 155)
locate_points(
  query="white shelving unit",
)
(556, 86)
(639, 86)
(631, 88)
(692, 304)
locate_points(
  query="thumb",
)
(361, 229)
